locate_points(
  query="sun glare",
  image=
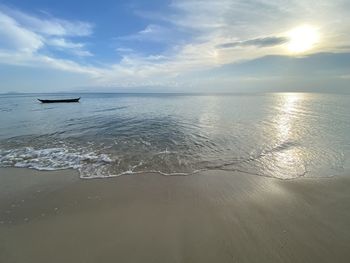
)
(302, 39)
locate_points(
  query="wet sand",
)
(209, 217)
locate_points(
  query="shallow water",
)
(284, 135)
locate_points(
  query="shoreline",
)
(213, 216)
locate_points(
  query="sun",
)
(302, 38)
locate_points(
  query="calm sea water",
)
(285, 135)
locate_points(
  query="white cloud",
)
(124, 50)
(247, 25)
(61, 42)
(43, 61)
(23, 37)
(23, 32)
(49, 25)
(14, 37)
(72, 47)
(194, 32)
(153, 33)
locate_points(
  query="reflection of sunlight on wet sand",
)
(289, 158)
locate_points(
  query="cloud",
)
(319, 64)
(158, 34)
(72, 47)
(208, 28)
(14, 37)
(194, 36)
(43, 61)
(124, 50)
(26, 39)
(314, 72)
(153, 33)
(24, 32)
(49, 25)
(257, 42)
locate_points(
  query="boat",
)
(59, 101)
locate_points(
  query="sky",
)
(175, 46)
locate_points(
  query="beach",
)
(212, 216)
(175, 131)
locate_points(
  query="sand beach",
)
(213, 216)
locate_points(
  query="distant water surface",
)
(286, 135)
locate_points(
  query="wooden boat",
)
(60, 101)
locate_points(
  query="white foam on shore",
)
(93, 165)
(89, 164)
(54, 159)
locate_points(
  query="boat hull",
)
(60, 101)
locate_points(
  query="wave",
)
(54, 159)
(283, 160)
(90, 164)
(112, 109)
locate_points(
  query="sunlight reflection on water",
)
(283, 135)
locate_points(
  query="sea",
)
(281, 135)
